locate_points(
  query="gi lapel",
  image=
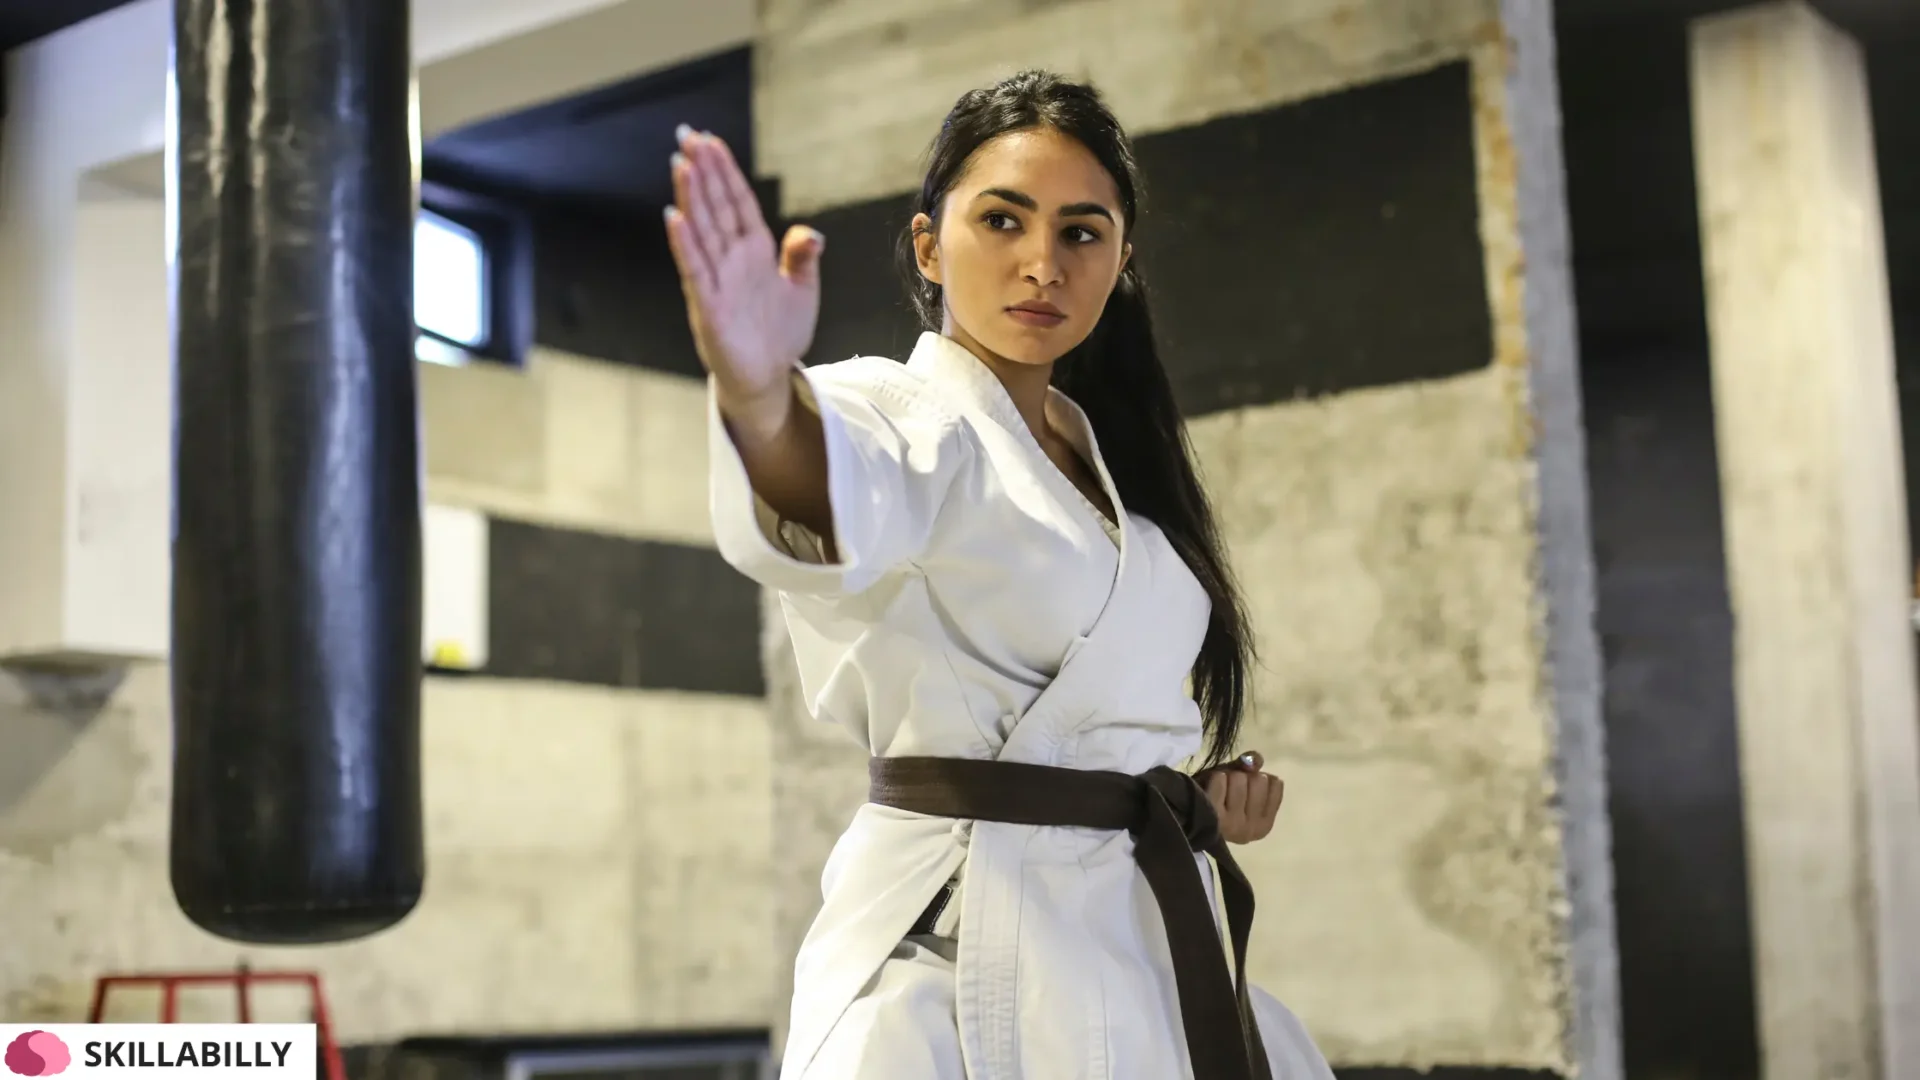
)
(1075, 694)
(1083, 686)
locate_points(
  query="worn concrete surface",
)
(819, 780)
(1819, 573)
(1382, 538)
(573, 442)
(596, 858)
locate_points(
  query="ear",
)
(1126, 254)
(926, 248)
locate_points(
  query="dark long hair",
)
(1115, 375)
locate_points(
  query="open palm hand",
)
(752, 311)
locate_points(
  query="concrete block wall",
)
(1378, 535)
(1808, 438)
(1413, 546)
(597, 854)
(571, 442)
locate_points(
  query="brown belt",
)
(1170, 819)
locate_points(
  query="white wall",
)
(86, 96)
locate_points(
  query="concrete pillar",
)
(1817, 550)
(1412, 534)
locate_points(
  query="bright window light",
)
(449, 281)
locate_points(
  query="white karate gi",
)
(981, 607)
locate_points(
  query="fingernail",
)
(680, 133)
(679, 159)
(671, 212)
(819, 237)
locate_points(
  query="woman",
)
(999, 571)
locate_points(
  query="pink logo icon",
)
(38, 1053)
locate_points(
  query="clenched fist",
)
(1246, 799)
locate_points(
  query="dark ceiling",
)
(23, 20)
(610, 146)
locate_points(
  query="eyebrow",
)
(1022, 199)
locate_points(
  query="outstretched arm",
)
(784, 448)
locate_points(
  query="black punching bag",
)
(296, 545)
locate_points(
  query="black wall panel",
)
(1665, 621)
(1666, 632)
(1324, 246)
(863, 293)
(605, 285)
(590, 608)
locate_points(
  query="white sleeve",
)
(890, 461)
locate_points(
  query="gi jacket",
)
(982, 607)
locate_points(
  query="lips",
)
(1040, 307)
(1037, 313)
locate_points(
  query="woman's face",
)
(1028, 249)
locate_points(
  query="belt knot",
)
(1190, 805)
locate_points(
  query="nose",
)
(1040, 260)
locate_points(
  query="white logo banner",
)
(154, 1051)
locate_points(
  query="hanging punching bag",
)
(296, 547)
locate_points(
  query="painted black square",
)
(605, 284)
(863, 297)
(583, 607)
(702, 627)
(605, 287)
(564, 605)
(1319, 246)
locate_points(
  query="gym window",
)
(472, 288)
(449, 285)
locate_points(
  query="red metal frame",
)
(242, 979)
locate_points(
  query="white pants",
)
(903, 1024)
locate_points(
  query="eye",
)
(999, 219)
(1085, 235)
